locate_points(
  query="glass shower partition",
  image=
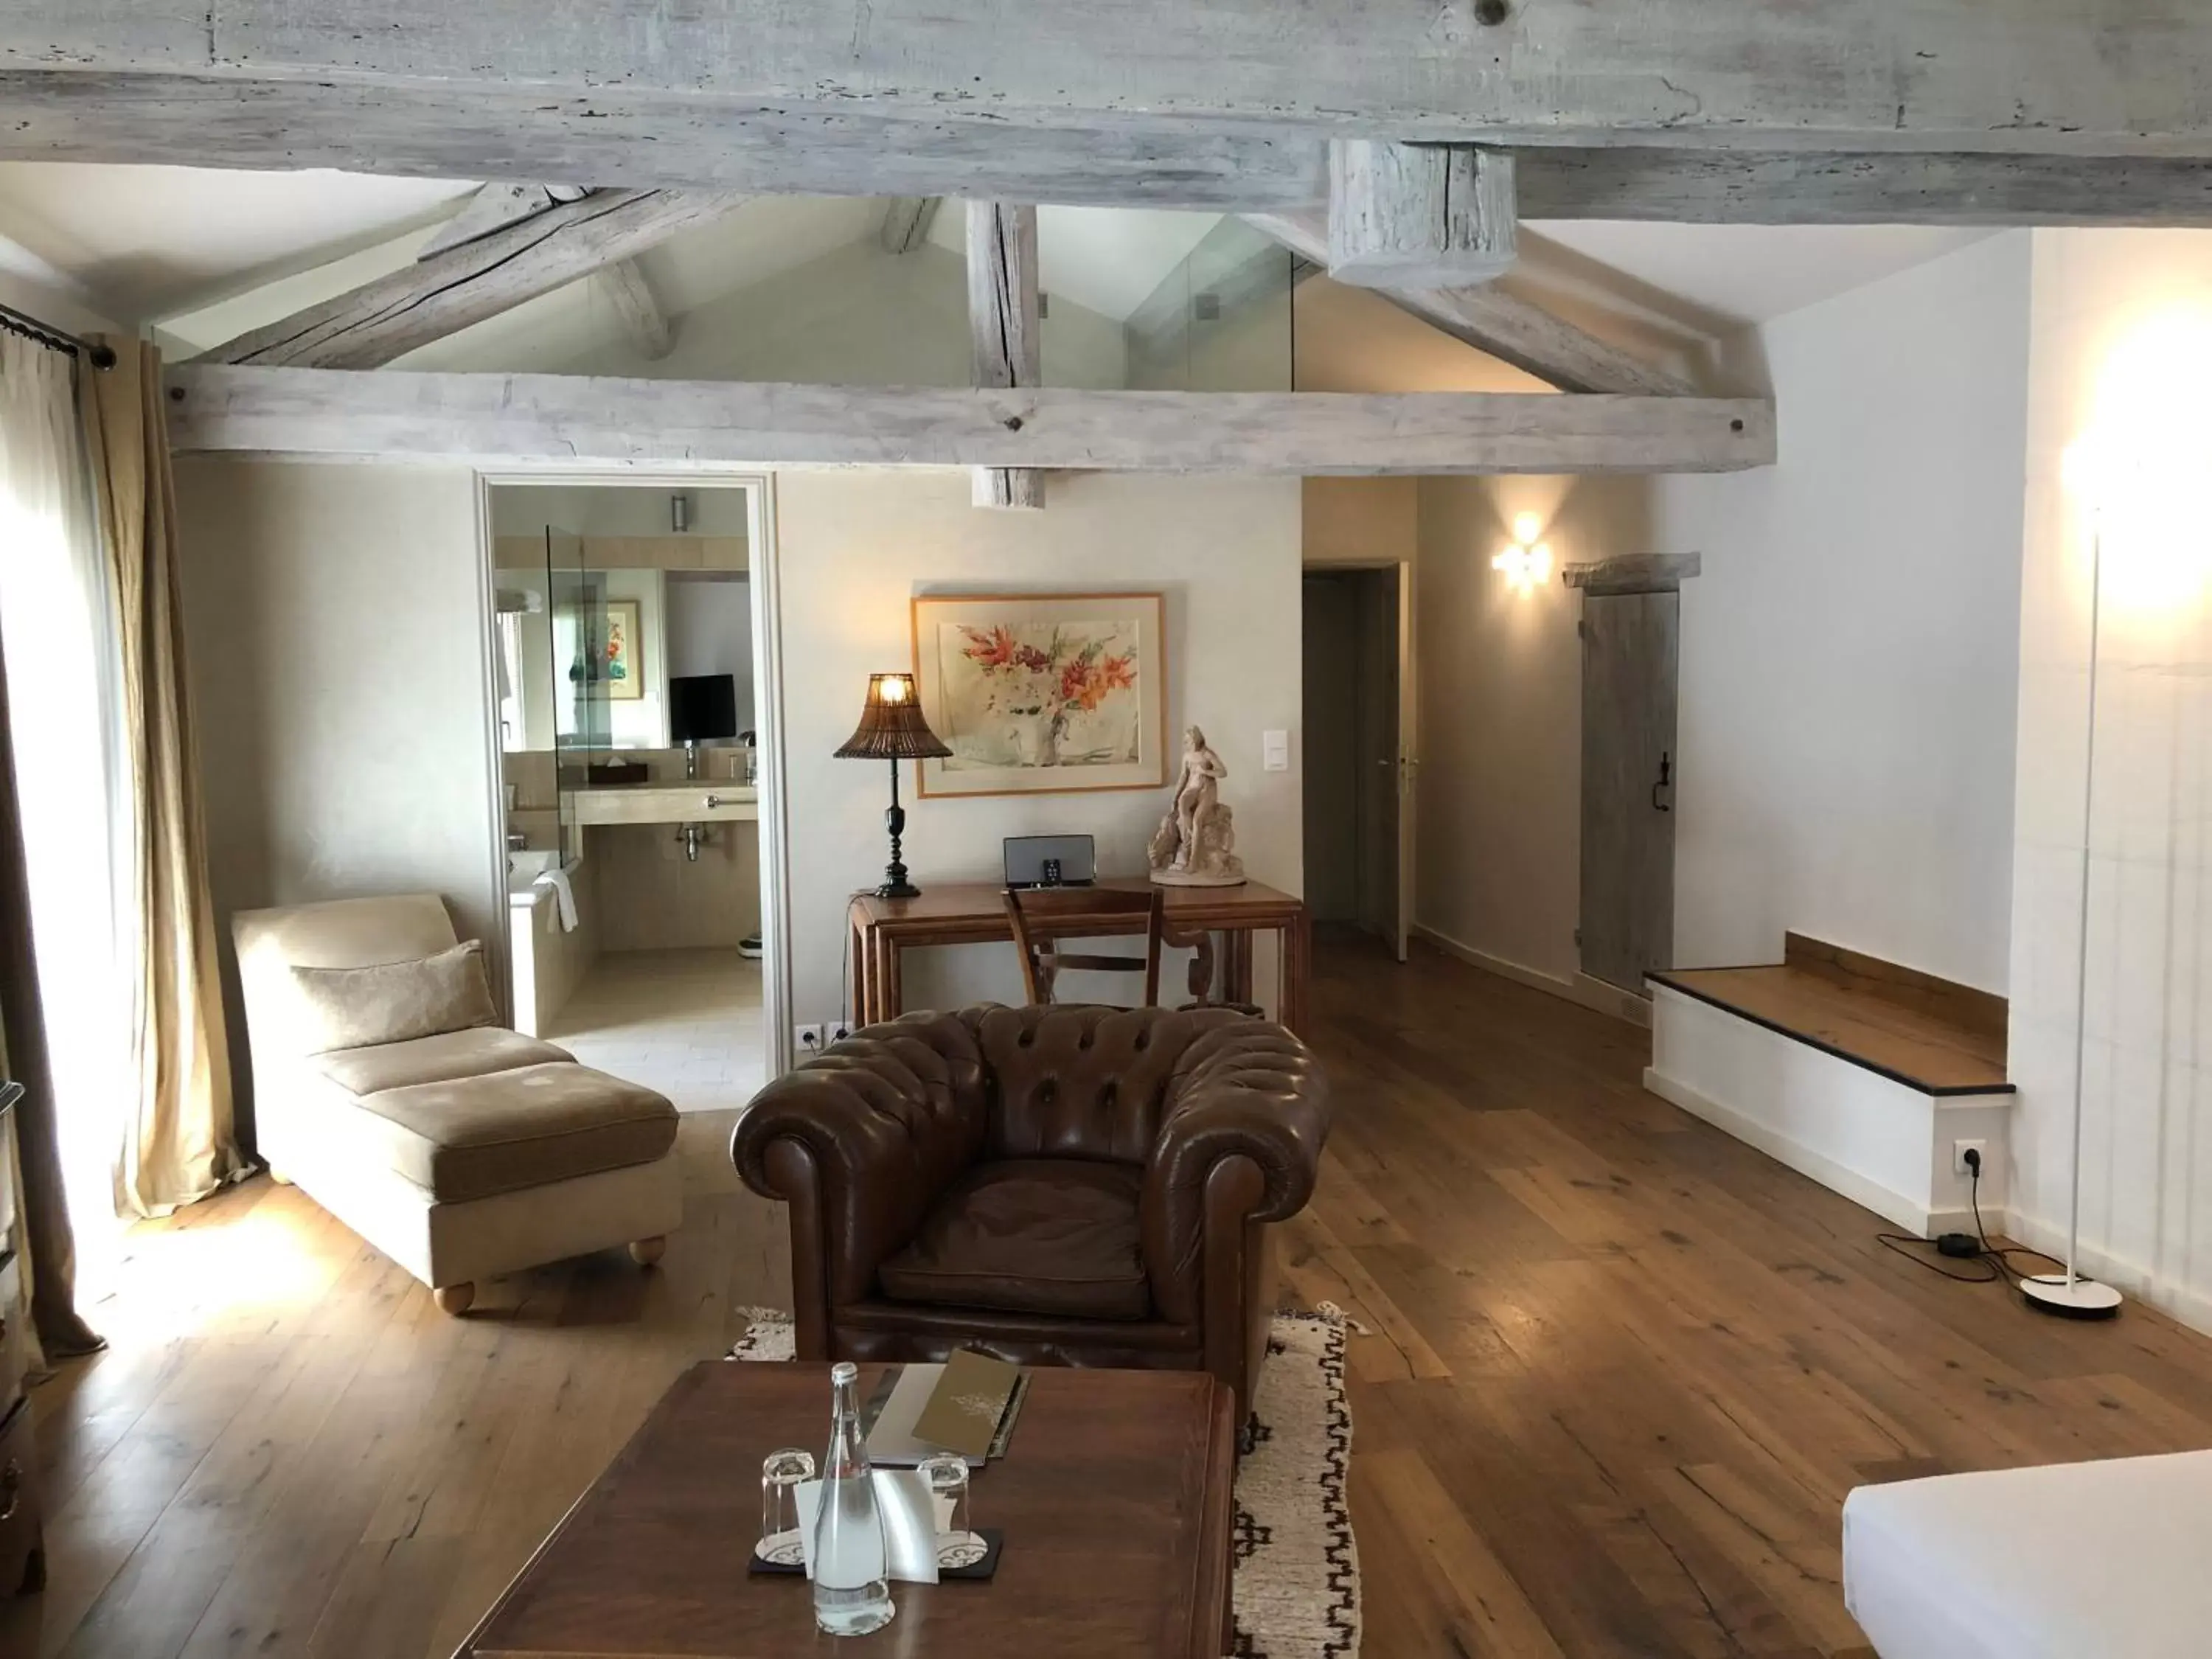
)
(583, 724)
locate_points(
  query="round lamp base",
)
(2084, 1298)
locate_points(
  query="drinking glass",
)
(781, 1472)
(947, 1475)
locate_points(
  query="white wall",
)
(2122, 347)
(335, 637)
(855, 546)
(1848, 677)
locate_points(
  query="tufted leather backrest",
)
(1073, 1081)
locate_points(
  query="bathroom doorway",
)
(626, 634)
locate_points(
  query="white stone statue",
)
(1196, 844)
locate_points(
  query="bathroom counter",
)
(702, 800)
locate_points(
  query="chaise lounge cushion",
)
(393, 1001)
(476, 1137)
(445, 1058)
(1049, 1235)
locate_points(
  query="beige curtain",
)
(178, 1142)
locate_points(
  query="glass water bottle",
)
(852, 1593)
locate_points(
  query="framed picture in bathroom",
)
(1043, 693)
(623, 664)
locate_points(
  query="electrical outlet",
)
(810, 1038)
(836, 1030)
(1980, 1149)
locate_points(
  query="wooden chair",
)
(1042, 917)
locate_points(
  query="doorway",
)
(1359, 766)
(1631, 645)
(625, 638)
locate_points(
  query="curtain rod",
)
(55, 339)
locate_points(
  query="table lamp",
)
(892, 728)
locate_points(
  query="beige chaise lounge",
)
(457, 1147)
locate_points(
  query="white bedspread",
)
(2109, 1560)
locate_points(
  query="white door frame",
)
(1409, 708)
(761, 564)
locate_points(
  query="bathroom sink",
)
(528, 864)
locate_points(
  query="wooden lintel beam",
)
(2025, 76)
(1633, 573)
(1502, 323)
(1419, 216)
(441, 295)
(501, 419)
(1005, 326)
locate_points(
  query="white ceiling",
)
(143, 243)
(1755, 273)
(146, 240)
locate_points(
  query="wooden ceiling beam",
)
(651, 330)
(524, 419)
(198, 119)
(1419, 216)
(1005, 328)
(2022, 76)
(387, 318)
(1491, 320)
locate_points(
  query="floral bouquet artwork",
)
(1065, 697)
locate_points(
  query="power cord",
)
(1994, 1262)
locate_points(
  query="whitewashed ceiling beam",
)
(441, 295)
(615, 134)
(1005, 328)
(651, 330)
(522, 419)
(2019, 75)
(495, 206)
(1506, 326)
(521, 134)
(1419, 216)
(907, 220)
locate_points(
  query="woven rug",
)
(1297, 1566)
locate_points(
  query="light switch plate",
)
(1275, 752)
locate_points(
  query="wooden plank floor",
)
(1618, 1372)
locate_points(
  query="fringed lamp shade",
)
(891, 727)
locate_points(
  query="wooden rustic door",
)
(1629, 765)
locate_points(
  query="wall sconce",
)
(1526, 565)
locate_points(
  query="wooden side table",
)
(973, 912)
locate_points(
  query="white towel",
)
(564, 895)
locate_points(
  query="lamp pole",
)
(2069, 1294)
(896, 885)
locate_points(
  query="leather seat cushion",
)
(474, 1137)
(442, 1059)
(1048, 1236)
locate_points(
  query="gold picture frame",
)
(1043, 693)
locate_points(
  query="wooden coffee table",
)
(1114, 1497)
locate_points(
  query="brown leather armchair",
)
(1077, 1185)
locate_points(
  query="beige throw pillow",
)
(394, 1002)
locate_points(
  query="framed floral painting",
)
(1043, 693)
(622, 665)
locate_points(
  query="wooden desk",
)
(973, 912)
(1114, 1497)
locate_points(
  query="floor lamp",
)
(2068, 1294)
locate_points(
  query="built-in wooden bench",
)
(1864, 1074)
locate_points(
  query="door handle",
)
(1666, 781)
